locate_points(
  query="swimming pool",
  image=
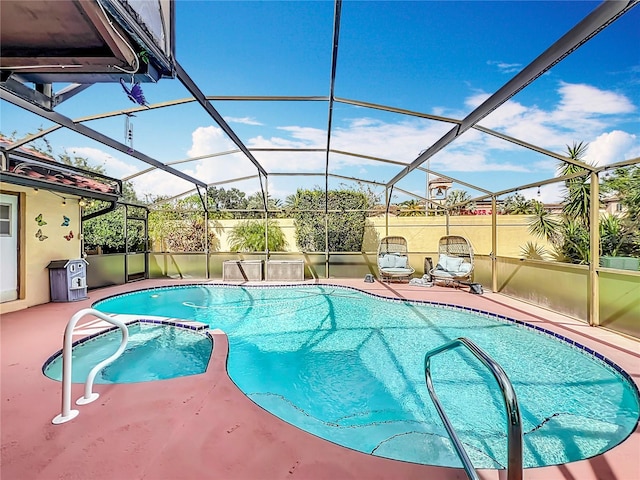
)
(154, 352)
(348, 367)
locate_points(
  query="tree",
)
(345, 228)
(255, 203)
(569, 234)
(106, 231)
(544, 224)
(615, 238)
(533, 251)
(249, 236)
(516, 204)
(458, 200)
(411, 208)
(180, 227)
(577, 203)
(220, 199)
(625, 183)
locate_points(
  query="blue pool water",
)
(154, 352)
(348, 367)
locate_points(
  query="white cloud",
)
(243, 120)
(113, 166)
(459, 160)
(159, 182)
(206, 140)
(475, 100)
(589, 100)
(505, 67)
(221, 168)
(582, 113)
(402, 141)
(611, 147)
(551, 193)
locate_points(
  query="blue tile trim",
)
(200, 329)
(572, 343)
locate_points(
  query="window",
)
(5, 220)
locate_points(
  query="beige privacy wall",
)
(423, 233)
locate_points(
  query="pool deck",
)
(204, 427)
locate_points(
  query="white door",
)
(8, 247)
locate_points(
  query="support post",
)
(593, 309)
(326, 244)
(266, 222)
(494, 245)
(207, 247)
(386, 212)
(446, 214)
(126, 243)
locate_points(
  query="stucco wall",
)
(423, 233)
(36, 253)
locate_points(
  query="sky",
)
(436, 58)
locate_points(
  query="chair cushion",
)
(442, 274)
(442, 262)
(400, 261)
(450, 264)
(386, 261)
(453, 264)
(392, 260)
(399, 271)
(464, 268)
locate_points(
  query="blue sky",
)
(441, 58)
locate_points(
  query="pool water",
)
(154, 352)
(349, 367)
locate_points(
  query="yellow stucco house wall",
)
(44, 235)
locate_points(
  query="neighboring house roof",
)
(6, 142)
(29, 167)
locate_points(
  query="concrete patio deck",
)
(204, 427)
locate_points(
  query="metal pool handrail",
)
(514, 423)
(67, 414)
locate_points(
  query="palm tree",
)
(411, 208)
(569, 234)
(516, 204)
(533, 251)
(625, 182)
(576, 204)
(544, 224)
(575, 246)
(459, 201)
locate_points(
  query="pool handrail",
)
(514, 422)
(66, 413)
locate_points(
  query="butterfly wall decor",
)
(40, 221)
(70, 236)
(40, 236)
(65, 221)
(134, 92)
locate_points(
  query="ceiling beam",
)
(337, 10)
(268, 98)
(93, 134)
(185, 160)
(402, 111)
(213, 113)
(456, 121)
